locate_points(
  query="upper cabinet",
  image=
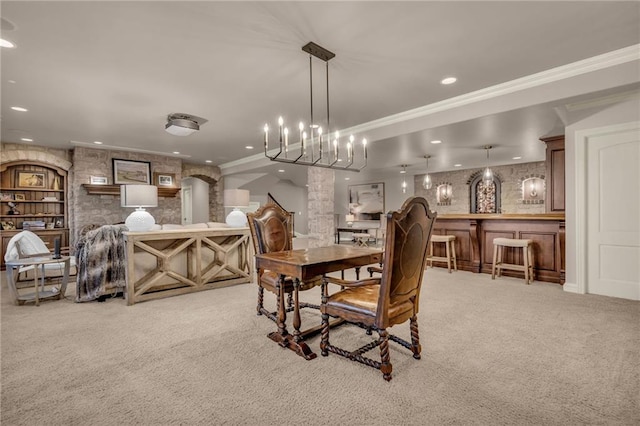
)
(555, 171)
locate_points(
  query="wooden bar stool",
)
(450, 250)
(527, 255)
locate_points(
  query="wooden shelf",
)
(36, 201)
(31, 189)
(32, 215)
(115, 190)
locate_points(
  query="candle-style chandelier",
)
(318, 147)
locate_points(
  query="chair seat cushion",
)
(269, 280)
(364, 301)
(510, 242)
(442, 238)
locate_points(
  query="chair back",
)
(271, 229)
(25, 244)
(405, 254)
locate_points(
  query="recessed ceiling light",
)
(448, 80)
(281, 171)
(12, 81)
(208, 161)
(15, 108)
(97, 142)
(403, 171)
(517, 158)
(176, 152)
(6, 43)
(248, 147)
(436, 141)
(457, 165)
(347, 178)
(26, 139)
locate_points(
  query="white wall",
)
(200, 199)
(619, 113)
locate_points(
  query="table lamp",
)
(139, 196)
(236, 198)
(350, 218)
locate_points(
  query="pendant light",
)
(487, 176)
(427, 183)
(404, 179)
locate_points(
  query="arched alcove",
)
(485, 198)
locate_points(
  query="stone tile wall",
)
(320, 212)
(511, 196)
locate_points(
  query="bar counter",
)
(474, 241)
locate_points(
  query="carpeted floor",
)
(494, 352)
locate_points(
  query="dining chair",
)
(391, 299)
(271, 231)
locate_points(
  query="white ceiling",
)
(113, 71)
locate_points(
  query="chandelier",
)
(487, 175)
(318, 147)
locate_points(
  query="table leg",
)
(296, 311)
(11, 282)
(35, 281)
(282, 311)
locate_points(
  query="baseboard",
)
(571, 288)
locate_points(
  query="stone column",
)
(320, 211)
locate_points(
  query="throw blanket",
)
(100, 259)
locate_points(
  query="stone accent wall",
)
(87, 209)
(320, 212)
(10, 152)
(511, 194)
(211, 175)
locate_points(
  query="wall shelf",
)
(115, 190)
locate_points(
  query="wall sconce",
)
(444, 192)
(533, 191)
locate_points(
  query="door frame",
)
(581, 140)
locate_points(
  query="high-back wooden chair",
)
(380, 303)
(272, 230)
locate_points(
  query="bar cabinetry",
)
(474, 241)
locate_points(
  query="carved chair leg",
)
(260, 300)
(415, 337)
(324, 339)
(385, 366)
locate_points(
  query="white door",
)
(187, 204)
(613, 213)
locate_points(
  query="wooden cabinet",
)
(33, 196)
(554, 169)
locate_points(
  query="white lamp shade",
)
(350, 218)
(236, 198)
(138, 196)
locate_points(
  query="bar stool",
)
(450, 250)
(527, 255)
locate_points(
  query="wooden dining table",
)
(303, 265)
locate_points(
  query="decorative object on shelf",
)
(13, 211)
(427, 183)
(6, 196)
(98, 180)
(56, 183)
(51, 225)
(180, 124)
(404, 178)
(350, 219)
(31, 179)
(236, 198)
(59, 223)
(164, 179)
(52, 199)
(139, 196)
(131, 172)
(19, 197)
(487, 175)
(7, 225)
(366, 201)
(317, 147)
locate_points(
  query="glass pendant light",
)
(427, 183)
(487, 176)
(404, 179)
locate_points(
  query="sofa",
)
(168, 260)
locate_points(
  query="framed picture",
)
(4, 196)
(129, 171)
(366, 202)
(98, 180)
(7, 225)
(31, 179)
(164, 179)
(20, 197)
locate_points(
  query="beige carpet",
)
(494, 352)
